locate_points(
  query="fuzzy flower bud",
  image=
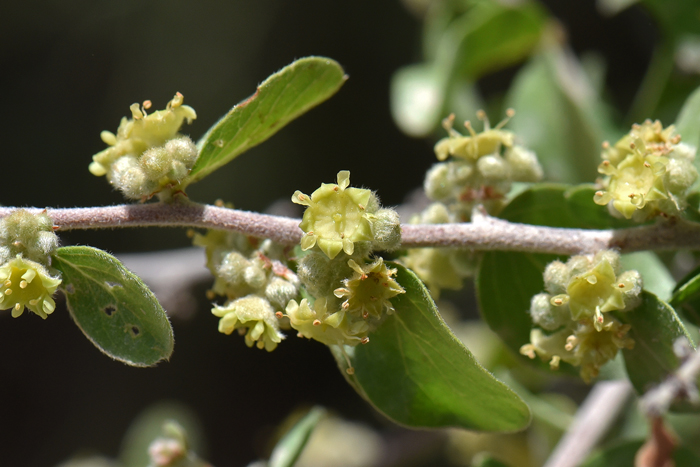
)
(253, 316)
(25, 283)
(368, 291)
(330, 328)
(29, 235)
(147, 154)
(337, 217)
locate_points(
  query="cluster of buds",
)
(351, 292)
(647, 173)
(147, 154)
(573, 320)
(255, 279)
(27, 242)
(481, 171)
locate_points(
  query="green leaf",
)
(289, 448)
(496, 36)
(416, 372)
(686, 296)
(622, 455)
(655, 326)
(560, 116)
(505, 284)
(281, 98)
(113, 307)
(688, 122)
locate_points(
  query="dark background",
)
(70, 69)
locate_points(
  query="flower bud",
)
(29, 235)
(386, 230)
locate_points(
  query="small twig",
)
(679, 385)
(485, 233)
(593, 419)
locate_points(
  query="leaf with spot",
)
(281, 98)
(416, 372)
(113, 307)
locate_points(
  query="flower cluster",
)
(255, 279)
(481, 172)
(147, 154)
(26, 244)
(573, 319)
(647, 173)
(351, 291)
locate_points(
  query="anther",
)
(8, 283)
(316, 322)
(365, 315)
(365, 340)
(18, 306)
(147, 104)
(279, 315)
(8, 292)
(23, 284)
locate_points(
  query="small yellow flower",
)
(648, 172)
(330, 328)
(25, 283)
(253, 316)
(472, 147)
(336, 216)
(368, 291)
(634, 183)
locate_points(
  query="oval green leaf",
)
(281, 98)
(655, 326)
(113, 307)
(416, 372)
(290, 447)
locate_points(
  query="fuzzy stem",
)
(484, 233)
